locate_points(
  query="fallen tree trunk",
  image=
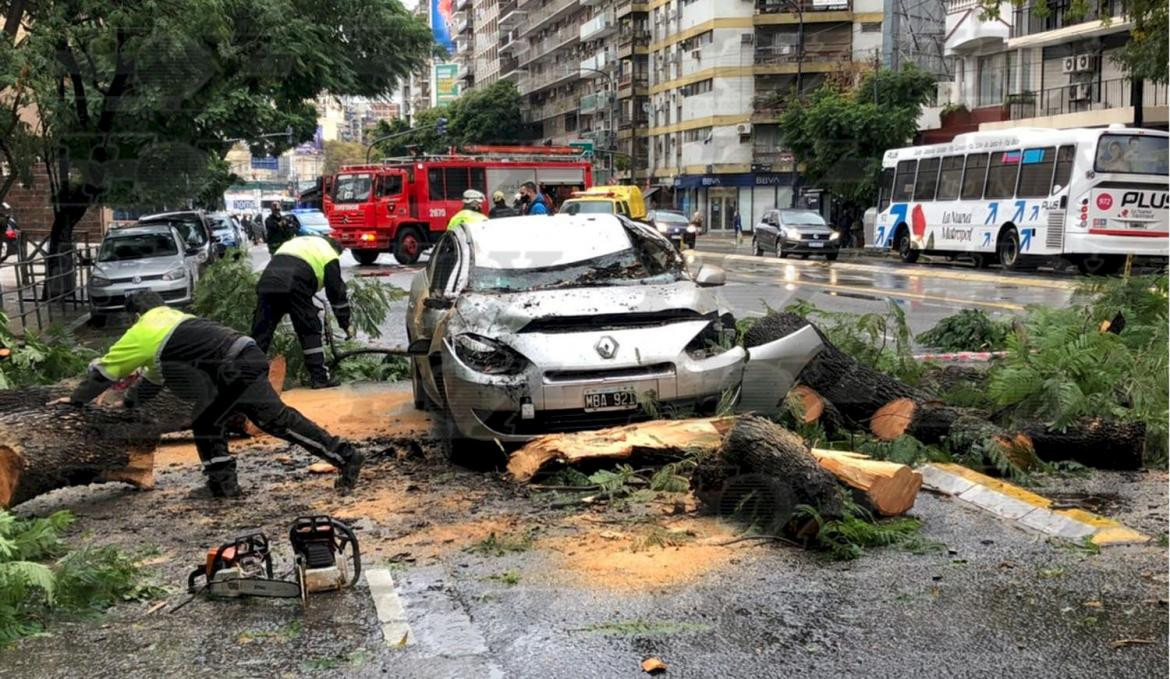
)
(855, 389)
(1095, 442)
(927, 421)
(888, 488)
(810, 407)
(50, 447)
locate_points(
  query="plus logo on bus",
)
(1104, 201)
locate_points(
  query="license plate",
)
(610, 398)
(816, 245)
(134, 291)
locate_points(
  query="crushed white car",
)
(525, 326)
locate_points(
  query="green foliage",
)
(613, 482)
(839, 136)
(847, 538)
(226, 293)
(903, 450)
(1061, 367)
(510, 578)
(880, 341)
(670, 479)
(968, 330)
(660, 537)
(338, 153)
(40, 359)
(501, 544)
(78, 582)
(487, 115)
(370, 301)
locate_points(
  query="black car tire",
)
(757, 249)
(831, 256)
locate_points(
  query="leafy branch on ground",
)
(499, 544)
(41, 579)
(968, 330)
(40, 358)
(878, 340)
(848, 537)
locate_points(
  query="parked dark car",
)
(795, 232)
(675, 226)
(195, 228)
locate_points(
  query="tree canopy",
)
(488, 115)
(839, 134)
(138, 102)
(338, 153)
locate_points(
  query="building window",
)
(990, 79)
(871, 27)
(701, 87)
(697, 134)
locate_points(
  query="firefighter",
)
(472, 210)
(500, 207)
(297, 272)
(220, 370)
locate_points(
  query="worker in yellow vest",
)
(297, 272)
(219, 370)
(472, 209)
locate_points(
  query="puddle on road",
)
(1105, 504)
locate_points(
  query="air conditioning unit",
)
(1069, 65)
(743, 129)
(697, 55)
(1085, 62)
(746, 38)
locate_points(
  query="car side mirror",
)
(438, 303)
(192, 251)
(710, 276)
(419, 347)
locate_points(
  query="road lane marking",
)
(391, 615)
(909, 273)
(1011, 502)
(884, 292)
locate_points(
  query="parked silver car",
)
(520, 327)
(133, 259)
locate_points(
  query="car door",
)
(431, 302)
(767, 235)
(190, 261)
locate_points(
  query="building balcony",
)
(771, 159)
(511, 18)
(594, 66)
(461, 5)
(808, 11)
(533, 82)
(462, 23)
(1082, 98)
(623, 8)
(538, 19)
(592, 103)
(629, 44)
(598, 27)
(551, 43)
(967, 33)
(554, 108)
(766, 108)
(1026, 20)
(814, 52)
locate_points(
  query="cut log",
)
(888, 488)
(977, 442)
(51, 447)
(1094, 442)
(761, 474)
(927, 421)
(662, 437)
(810, 403)
(855, 389)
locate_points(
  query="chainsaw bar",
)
(237, 587)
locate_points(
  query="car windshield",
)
(649, 260)
(315, 220)
(352, 188)
(670, 218)
(190, 230)
(1132, 154)
(137, 246)
(801, 218)
(589, 207)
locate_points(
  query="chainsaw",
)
(325, 550)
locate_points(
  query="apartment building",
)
(722, 72)
(1042, 69)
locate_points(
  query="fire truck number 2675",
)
(438, 212)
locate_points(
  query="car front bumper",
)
(810, 247)
(110, 298)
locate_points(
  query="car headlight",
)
(663, 228)
(487, 356)
(784, 233)
(691, 228)
(176, 274)
(99, 281)
(836, 235)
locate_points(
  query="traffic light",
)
(441, 126)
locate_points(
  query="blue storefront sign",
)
(738, 179)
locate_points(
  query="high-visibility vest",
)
(142, 345)
(314, 250)
(466, 216)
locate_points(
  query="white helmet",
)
(473, 197)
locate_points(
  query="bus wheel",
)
(1008, 249)
(408, 247)
(1100, 265)
(905, 249)
(365, 257)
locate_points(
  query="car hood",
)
(150, 266)
(579, 309)
(808, 228)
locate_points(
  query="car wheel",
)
(1008, 249)
(366, 257)
(780, 249)
(462, 451)
(422, 401)
(906, 250)
(830, 256)
(757, 248)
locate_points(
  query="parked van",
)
(623, 200)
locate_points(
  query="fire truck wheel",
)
(366, 257)
(408, 247)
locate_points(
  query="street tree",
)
(338, 153)
(1143, 57)
(839, 133)
(139, 102)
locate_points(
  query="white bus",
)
(1091, 196)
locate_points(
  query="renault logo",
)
(138, 279)
(607, 347)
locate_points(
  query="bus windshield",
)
(1132, 154)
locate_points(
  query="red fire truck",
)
(402, 205)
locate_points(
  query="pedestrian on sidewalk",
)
(220, 370)
(737, 224)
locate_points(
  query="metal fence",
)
(38, 290)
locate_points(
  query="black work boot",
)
(221, 480)
(351, 467)
(325, 382)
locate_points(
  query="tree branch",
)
(93, 77)
(14, 18)
(65, 55)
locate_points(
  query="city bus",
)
(1088, 195)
